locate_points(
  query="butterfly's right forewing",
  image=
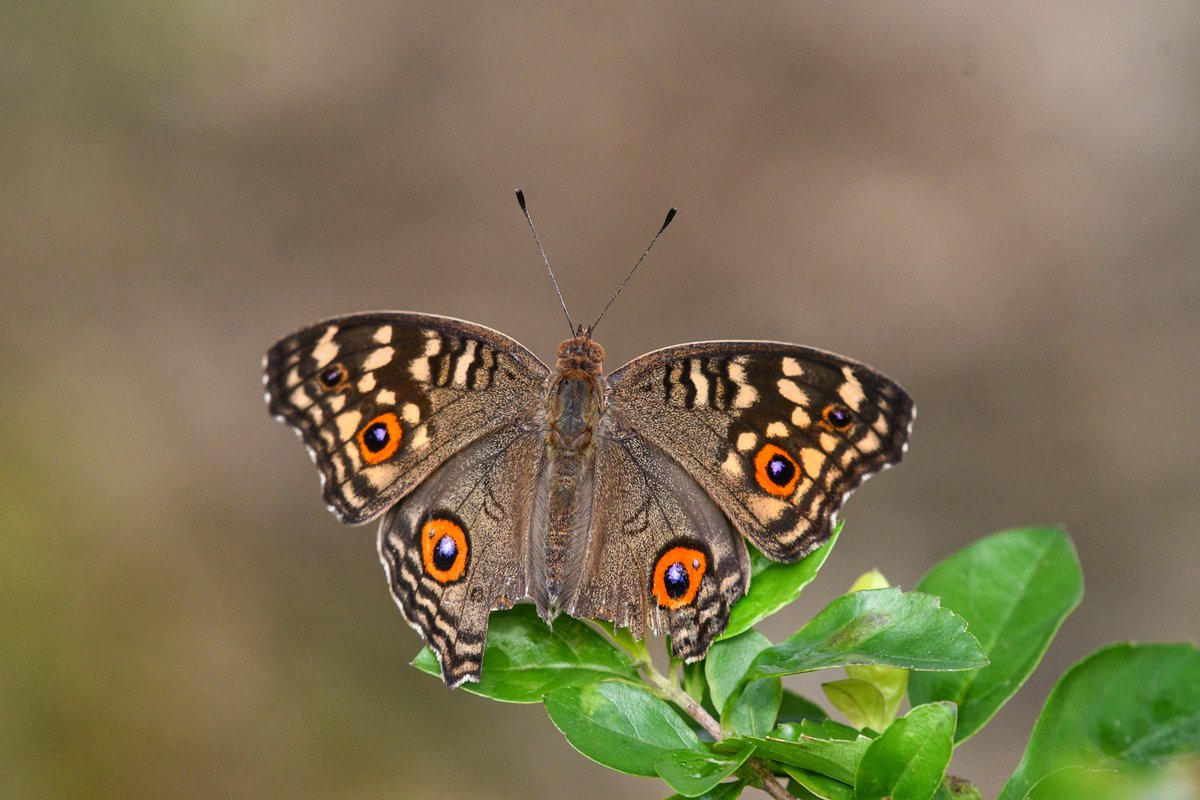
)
(777, 434)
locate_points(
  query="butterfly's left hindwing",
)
(777, 434)
(456, 547)
(382, 399)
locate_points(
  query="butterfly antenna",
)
(666, 222)
(546, 261)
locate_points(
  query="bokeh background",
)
(997, 205)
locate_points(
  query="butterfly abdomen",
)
(574, 406)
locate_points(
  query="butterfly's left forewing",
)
(382, 399)
(777, 434)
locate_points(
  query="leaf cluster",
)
(958, 647)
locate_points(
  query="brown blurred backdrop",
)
(996, 206)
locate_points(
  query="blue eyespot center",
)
(332, 376)
(780, 470)
(376, 437)
(676, 581)
(838, 416)
(445, 553)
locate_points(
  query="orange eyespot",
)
(333, 377)
(380, 438)
(444, 549)
(677, 576)
(776, 471)
(838, 417)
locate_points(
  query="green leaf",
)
(619, 725)
(692, 773)
(873, 579)
(726, 791)
(821, 786)
(826, 748)
(799, 792)
(908, 761)
(1124, 706)
(889, 682)
(727, 661)
(1014, 589)
(755, 710)
(774, 585)
(796, 708)
(860, 701)
(623, 638)
(881, 626)
(525, 658)
(694, 682)
(1074, 782)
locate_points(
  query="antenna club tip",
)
(670, 216)
(521, 198)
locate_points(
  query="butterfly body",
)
(574, 407)
(623, 497)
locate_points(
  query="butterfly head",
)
(581, 352)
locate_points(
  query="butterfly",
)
(622, 497)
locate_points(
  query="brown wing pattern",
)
(381, 399)
(456, 547)
(662, 556)
(777, 434)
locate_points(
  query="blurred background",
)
(997, 206)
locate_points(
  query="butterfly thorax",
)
(574, 406)
(582, 353)
(575, 401)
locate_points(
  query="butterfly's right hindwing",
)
(662, 556)
(382, 399)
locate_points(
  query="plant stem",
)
(669, 691)
(679, 697)
(769, 784)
